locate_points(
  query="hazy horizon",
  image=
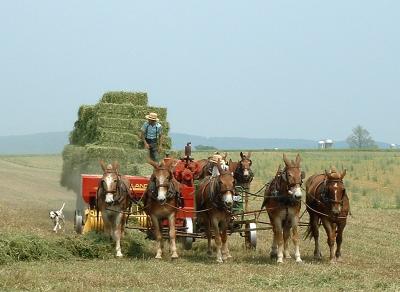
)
(261, 69)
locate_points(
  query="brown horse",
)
(214, 200)
(113, 202)
(161, 201)
(327, 202)
(243, 175)
(282, 201)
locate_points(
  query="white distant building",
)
(393, 146)
(325, 144)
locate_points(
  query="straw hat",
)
(215, 158)
(152, 117)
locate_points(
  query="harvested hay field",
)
(33, 258)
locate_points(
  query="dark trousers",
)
(153, 149)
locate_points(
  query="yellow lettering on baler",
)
(139, 187)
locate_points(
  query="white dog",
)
(58, 218)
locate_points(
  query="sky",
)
(257, 69)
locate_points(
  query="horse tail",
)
(309, 232)
(264, 203)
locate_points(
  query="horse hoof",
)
(209, 252)
(273, 256)
(220, 261)
(318, 256)
(339, 259)
(279, 261)
(158, 257)
(288, 256)
(119, 255)
(174, 256)
(332, 261)
(299, 260)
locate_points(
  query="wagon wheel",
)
(250, 236)
(188, 241)
(78, 222)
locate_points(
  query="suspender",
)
(147, 129)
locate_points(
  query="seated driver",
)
(214, 160)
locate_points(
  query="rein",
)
(323, 214)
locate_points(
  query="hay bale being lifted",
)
(110, 131)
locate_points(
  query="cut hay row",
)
(31, 247)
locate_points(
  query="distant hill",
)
(54, 142)
(237, 143)
(42, 143)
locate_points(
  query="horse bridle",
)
(219, 192)
(171, 191)
(285, 177)
(239, 171)
(325, 198)
(102, 182)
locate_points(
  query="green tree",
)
(361, 139)
(204, 147)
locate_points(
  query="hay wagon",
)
(187, 226)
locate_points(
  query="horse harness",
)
(275, 188)
(325, 200)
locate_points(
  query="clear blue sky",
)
(266, 69)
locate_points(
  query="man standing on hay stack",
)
(151, 133)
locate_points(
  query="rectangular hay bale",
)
(123, 97)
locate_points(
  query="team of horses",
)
(326, 201)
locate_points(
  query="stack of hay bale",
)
(110, 131)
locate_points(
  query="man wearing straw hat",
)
(215, 159)
(151, 133)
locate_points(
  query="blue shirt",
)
(151, 131)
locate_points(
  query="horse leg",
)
(315, 233)
(224, 237)
(208, 232)
(116, 230)
(331, 233)
(339, 239)
(122, 226)
(296, 240)
(274, 247)
(158, 235)
(278, 238)
(286, 237)
(217, 238)
(172, 235)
